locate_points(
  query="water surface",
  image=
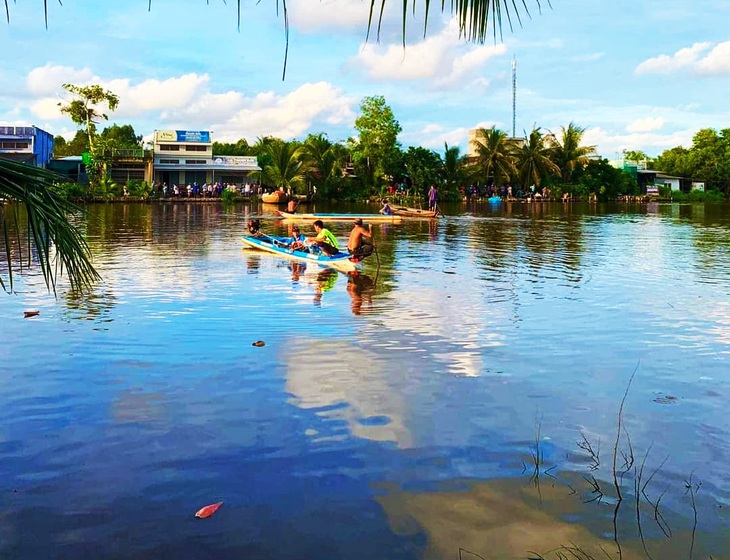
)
(389, 414)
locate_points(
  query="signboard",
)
(182, 136)
(249, 161)
(651, 189)
(698, 186)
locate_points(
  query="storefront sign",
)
(249, 161)
(182, 136)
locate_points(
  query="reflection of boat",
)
(413, 212)
(340, 261)
(276, 197)
(333, 217)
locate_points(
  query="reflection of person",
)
(432, 197)
(356, 242)
(297, 269)
(325, 240)
(325, 282)
(360, 287)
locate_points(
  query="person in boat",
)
(360, 242)
(291, 206)
(254, 227)
(324, 239)
(297, 239)
(433, 196)
(386, 209)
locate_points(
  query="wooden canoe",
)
(407, 212)
(340, 261)
(276, 197)
(333, 217)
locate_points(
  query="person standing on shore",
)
(432, 197)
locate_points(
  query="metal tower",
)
(514, 97)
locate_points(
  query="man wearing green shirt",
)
(325, 240)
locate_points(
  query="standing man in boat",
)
(356, 244)
(325, 240)
(433, 196)
(291, 206)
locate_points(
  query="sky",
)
(636, 75)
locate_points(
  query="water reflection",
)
(360, 287)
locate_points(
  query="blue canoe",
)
(340, 261)
(495, 199)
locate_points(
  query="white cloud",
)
(318, 15)
(646, 124)
(696, 59)
(186, 101)
(442, 60)
(608, 144)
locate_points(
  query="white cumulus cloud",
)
(609, 144)
(443, 60)
(701, 58)
(646, 124)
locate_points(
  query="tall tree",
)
(326, 161)
(453, 171)
(77, 146)
(423, 167)
(567, 151)
(121, 137)
(286, 170)
(495, 155)
(377, 147)
(533, 160)
(84, 110)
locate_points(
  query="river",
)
(459, 397)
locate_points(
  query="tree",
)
(495, 155)
(121, 137)
(325, 161)
(453, 172)
(533, 160)
(635, 155)
(240, 148)
(567, 152)
(377, 147)
(603, 179)
(76, 147)
(423, 167)
(286, 170)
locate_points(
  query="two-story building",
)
(184, 157)
(26, 144)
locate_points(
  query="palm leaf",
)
(31, 190)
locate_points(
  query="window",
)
(169, 147)
(14, 145)
(195, 161)
(196, 148)
(169, 161)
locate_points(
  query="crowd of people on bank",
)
(505, 192)
(206, 190)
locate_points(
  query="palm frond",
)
(31, 190)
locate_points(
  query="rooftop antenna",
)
(514, 97)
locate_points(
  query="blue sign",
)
(193, 135)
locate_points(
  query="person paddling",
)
(357, 241)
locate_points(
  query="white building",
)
(184, 157)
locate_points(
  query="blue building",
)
(26, 144)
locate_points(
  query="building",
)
(650, 180)
(184, 157)
(26, 144)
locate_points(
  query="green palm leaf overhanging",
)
(48, 225)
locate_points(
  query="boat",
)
(340, 261)
(414, 212)
(276, 197)
(333, 217)
(495, 199)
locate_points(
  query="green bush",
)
(139, 188)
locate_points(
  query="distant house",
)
(650, 180)
(72, 167)
(26, 144)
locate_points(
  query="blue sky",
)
(637, 75)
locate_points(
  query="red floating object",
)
(33, 313)
(207, 511)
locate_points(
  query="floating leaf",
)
(33, 313)
(259, 343)
(207, 511)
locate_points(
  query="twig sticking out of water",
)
(637, 495)
(593, 455)
(596, 490)
(469, 552)
(658, 517)
(692, 490)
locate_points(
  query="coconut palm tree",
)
(495, 155)
(453, 171)
(533, 160)
(35, 219)
(286, 170)
(567, 152)
(326, 161)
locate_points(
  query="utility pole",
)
(514, 97)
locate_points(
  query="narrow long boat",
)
(325, 217)
(407, 212)
(340, 261)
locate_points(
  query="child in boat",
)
(297, 239)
